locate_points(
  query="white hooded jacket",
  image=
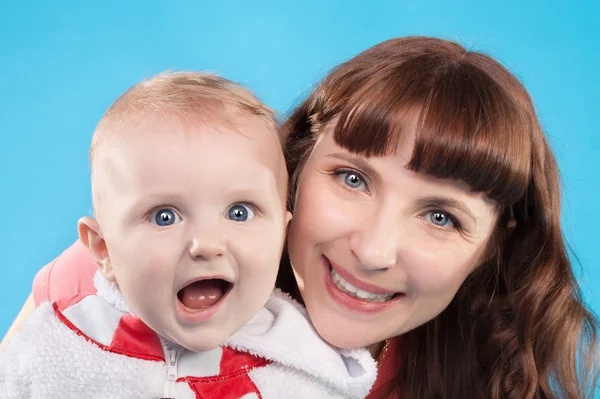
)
(94, 347)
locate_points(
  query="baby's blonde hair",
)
(186, 96)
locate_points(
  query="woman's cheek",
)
(332, 210)
(326, 205)
(437, 269)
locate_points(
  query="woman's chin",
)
(342, 333)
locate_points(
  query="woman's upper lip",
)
(374, 289)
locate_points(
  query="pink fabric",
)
(70, 274)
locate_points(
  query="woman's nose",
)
(375, 242)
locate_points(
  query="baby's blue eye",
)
(164, 217)
(240, 213)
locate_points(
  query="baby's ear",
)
(89, 234)
(288, 217)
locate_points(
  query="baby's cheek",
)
(266, 266)
(142, 270)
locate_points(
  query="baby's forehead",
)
(151, 126)
(247, 135)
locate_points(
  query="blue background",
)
(64, 62)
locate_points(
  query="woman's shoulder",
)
(71, 273)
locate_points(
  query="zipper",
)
(172, 354)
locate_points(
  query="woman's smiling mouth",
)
(344, 285)
(356, 295)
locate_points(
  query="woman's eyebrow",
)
(358, 161)
(444, 202)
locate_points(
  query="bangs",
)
(463, 125)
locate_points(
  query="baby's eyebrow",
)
(159, 198)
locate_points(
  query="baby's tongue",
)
(201, 294)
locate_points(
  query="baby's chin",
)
(205, 347)
(201, 340)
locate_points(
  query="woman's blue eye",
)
(353, 180)
(240, 213)
(440, 219)
(164, 217)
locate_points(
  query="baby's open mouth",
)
(202, 294)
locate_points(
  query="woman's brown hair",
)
(517, 327)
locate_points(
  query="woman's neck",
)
(375, 349)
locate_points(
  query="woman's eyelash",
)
(456, 225)
(339, 172)
(455, 221)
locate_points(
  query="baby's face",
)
(194, 221)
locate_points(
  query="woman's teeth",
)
(345, 286)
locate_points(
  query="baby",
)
(189, 194)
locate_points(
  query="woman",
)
(427, 228)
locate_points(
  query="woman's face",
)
(377, 249)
